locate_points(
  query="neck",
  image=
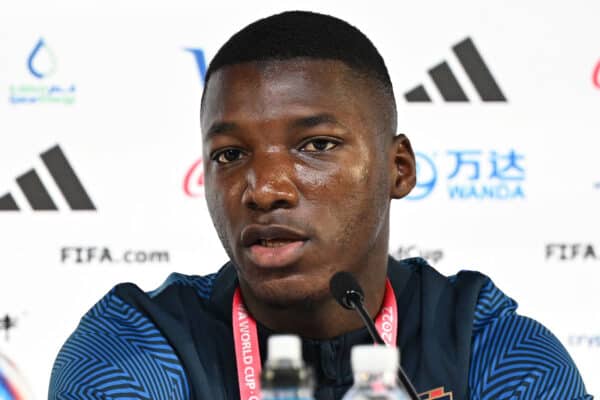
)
(325, 318)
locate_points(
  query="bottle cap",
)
(286, 348)
(375, 359)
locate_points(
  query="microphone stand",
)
(354, 299)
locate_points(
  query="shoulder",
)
(117, 350)
(430, 276)
(439, 292)
(513, 356)
(202, 285)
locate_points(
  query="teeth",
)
(274, 242)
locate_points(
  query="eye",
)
(228, 155)
(319, 144)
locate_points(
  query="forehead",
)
(271, 89)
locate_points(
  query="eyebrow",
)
(220, 127)
(315, 120)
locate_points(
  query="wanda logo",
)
(193, 183)
(596, 75)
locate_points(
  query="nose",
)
(270, 184)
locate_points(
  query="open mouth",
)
(275, 242)
(276, 253)
(273, 246)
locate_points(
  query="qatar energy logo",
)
(42, 87)
(12, 384)
(471, 174)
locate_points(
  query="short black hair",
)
(305, 34)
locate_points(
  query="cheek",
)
(221, 189)
(317, 183)
(362, 212)
(350, 196)
(223, 200)
(357, 173)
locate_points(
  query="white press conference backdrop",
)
(99, 120)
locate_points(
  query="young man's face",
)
(298, 174)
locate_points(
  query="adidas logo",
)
(449, 87)
(36, 193)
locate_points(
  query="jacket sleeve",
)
(515, 357)
(116, 352)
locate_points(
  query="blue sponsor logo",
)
(467, 174)
(41, 65)
(41, 71)
(200, 62)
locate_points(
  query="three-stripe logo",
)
(448, 85)
(36, 193)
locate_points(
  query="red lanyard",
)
(245, 336)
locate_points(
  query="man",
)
(301, 162)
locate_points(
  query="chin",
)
(291, 293)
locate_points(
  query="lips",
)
(273, 246)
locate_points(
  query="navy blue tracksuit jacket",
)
(459, 336)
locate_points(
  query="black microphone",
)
(347, 292)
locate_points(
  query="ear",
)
(403, 170)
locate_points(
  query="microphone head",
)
(345, 289)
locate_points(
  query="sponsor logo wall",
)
(101, 177)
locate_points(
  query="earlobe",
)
(403, 167)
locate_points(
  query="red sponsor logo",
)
(437, 394)
(193, 183)
(596, 75)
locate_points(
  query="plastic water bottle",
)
(375, 371)
(285, 377)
